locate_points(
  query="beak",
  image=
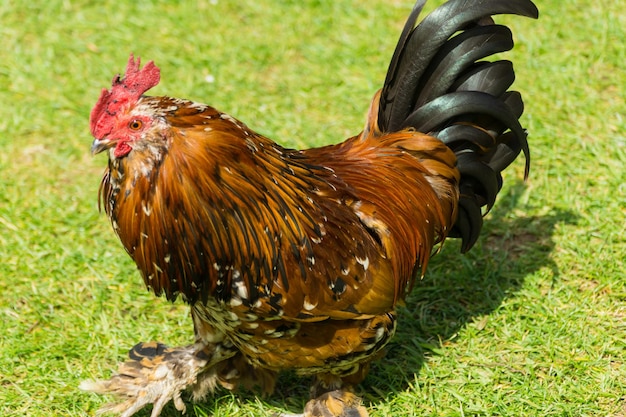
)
(100, 145)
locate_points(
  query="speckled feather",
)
(310, 234)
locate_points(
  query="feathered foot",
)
(338, 403)
(155, 374)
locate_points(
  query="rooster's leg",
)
(333, 397)
(155, 374)
(338, 403)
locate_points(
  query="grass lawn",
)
(531, 322)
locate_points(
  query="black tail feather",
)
(458, 54)
(392, 72)
(489, 77)
(437, 84)
(418, 48)
(452, 106)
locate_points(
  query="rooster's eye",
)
(135, 124)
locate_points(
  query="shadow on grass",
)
(456, 289)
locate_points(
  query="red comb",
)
(124, 90)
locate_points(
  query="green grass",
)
(531, 322)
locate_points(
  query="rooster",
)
(298, 259)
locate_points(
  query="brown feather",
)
(268, 242)
(312, 226)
